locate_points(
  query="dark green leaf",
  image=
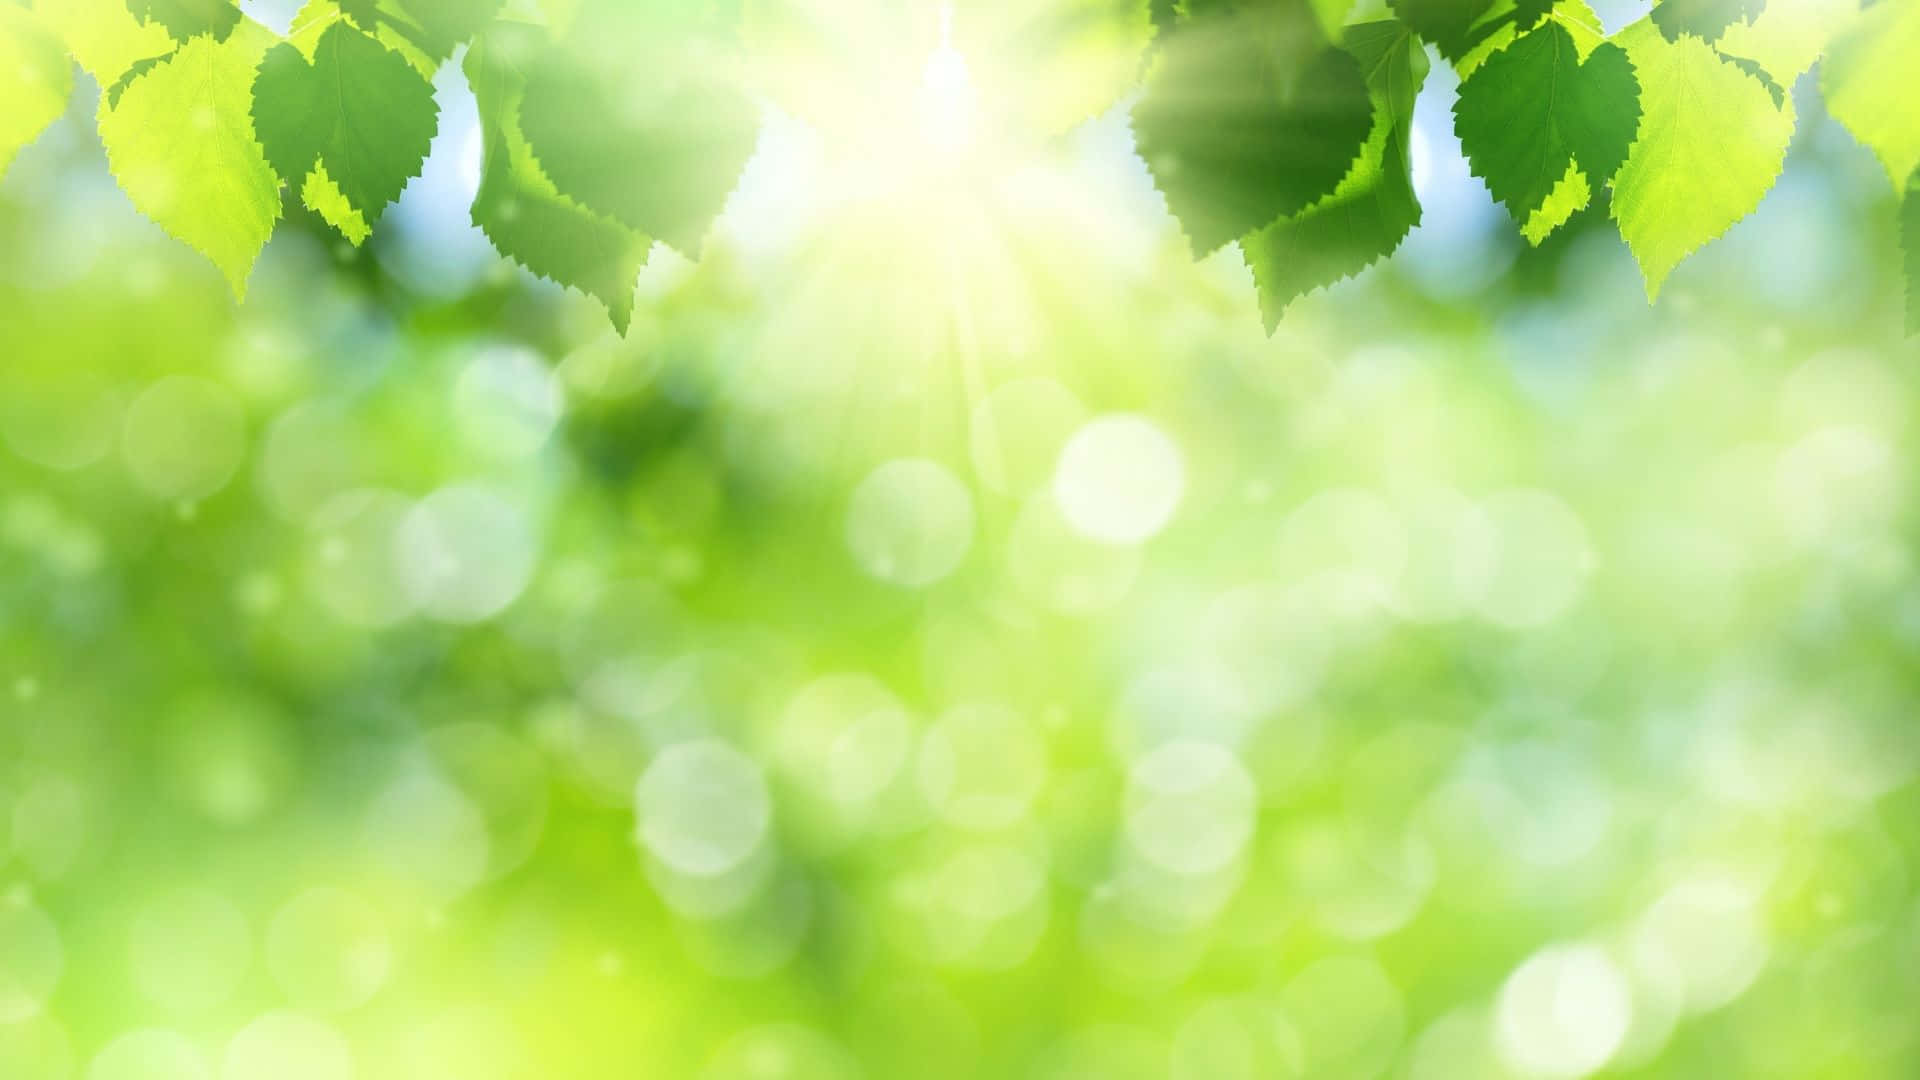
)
(435, 27)
(1250, 116)
(1534, 107)
(1704, 19)
(139, 68)
(358, 109)
(1448, 24)
(1753, 68)
(189, 18)
(1374, 207)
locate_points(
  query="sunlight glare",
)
(948, 105)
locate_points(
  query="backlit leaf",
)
(35, 80)
(1711, 144)
(1249, 116)
(1870, 78)
(181, 143)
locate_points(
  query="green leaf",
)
(358, 110)
(1704, 19)
(120, 85)
(1250, 116)
(1711, 145)
(1535, 108)
(316, 17)
(520, 210)
(1910, 244)
(1448, 24)
(181, 144)
(633, 118)
(35, 81)
(1787, 37)
(324, 197)
(1374, 207)
(1501, 30)
(435, 27)
(1869, 78)
(103, 35)
(184, 19)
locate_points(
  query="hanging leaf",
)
(518, 207)
(1374, 207)
(1869, 80)
(630, 119)
(1711, 145)
(1538, 107)
(35, 81)
(181, 143)
(1249, 116)
(357, 110)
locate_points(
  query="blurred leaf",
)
(120, 85)
(436, 27)
(181, 143)
(35, 81)
(1704, 19)
(1787, 37)
(1374, 207)
(185, 19)
(103, 35)
(633, 117)
(1249, 116)
(358, 110)
(1910, 243)
(1538, 107)
(316, 17)
(520, 210)
(1447, 24)
(1711, 145)
(1869, 79)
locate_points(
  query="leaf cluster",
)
(1284, 125)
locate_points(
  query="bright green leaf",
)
(520, 210)
(103, 36)
(1249, 117)
(1374, 207)
(1535, 108)
(181, 144)
(35, 81)
(358, 110)
(1870, 78)
(322, 196)
(1711, 144)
